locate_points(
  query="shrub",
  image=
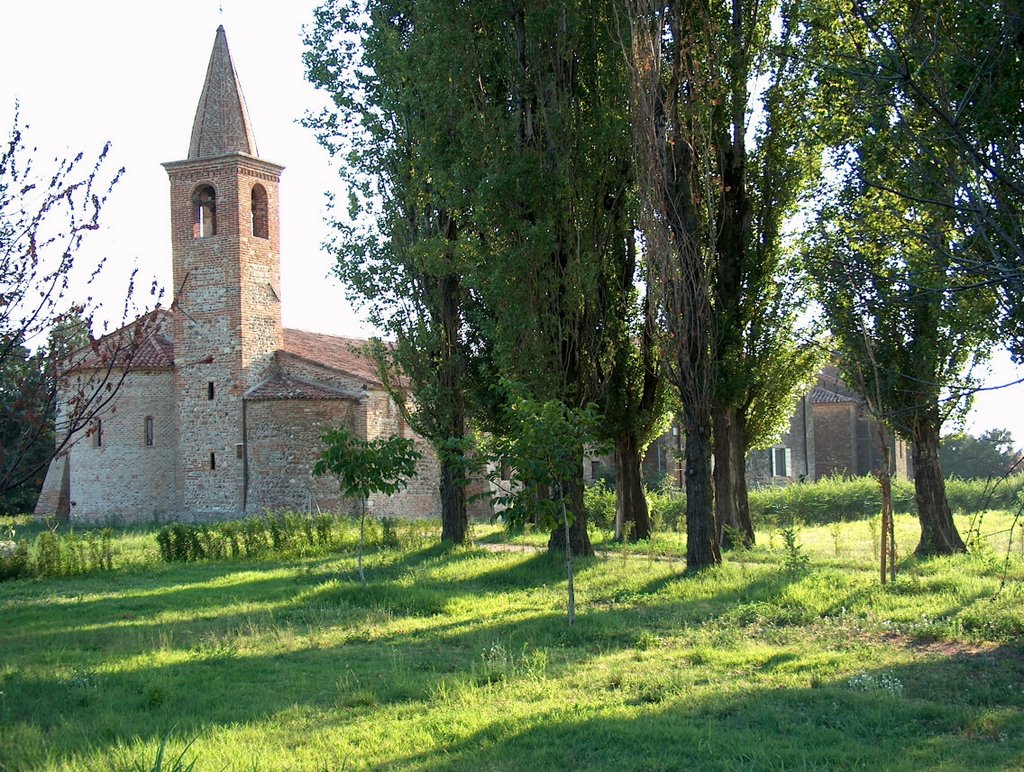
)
(834, 499)
(969, 496)
(599, 503)
(668, 509)
(14, 560)
(827, 500)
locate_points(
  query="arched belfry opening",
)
(205, 203)
(260, 225)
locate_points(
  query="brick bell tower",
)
(225, 247)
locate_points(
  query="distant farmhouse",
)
(830, 433)
(221, 409)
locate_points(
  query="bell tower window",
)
(260, 225)
(205, 200)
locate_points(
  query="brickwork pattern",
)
(283, 443)
(835, 434)
(122, 478)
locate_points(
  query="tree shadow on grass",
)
(912, 717)
(210, 677)
(402, 645)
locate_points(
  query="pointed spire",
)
(222, 120)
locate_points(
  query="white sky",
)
(131, 72)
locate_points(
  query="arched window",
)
(149, 431)
(205, 200)
(260, 225)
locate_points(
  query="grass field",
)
(463, 659)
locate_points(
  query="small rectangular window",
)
(149, 431)
(213, 461)
(780, 458)
(209, 390)
(97, 433)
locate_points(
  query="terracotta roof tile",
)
(142, 345)
(820, 396)
(281, 385)
(337, 353)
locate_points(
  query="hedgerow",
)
(829, 500)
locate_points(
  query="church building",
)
(220, 409)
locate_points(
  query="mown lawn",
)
(463, 660)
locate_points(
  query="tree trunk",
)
(732, 508)
(362, 538)
(939, 535)
(454, 520)
(701, 535)
(632, 518)
(579, 539)
(568, 572)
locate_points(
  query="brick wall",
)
(114, 475)
(834, 439)
(798, 445)
(283, 444)
(228, 325)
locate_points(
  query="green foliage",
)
(544, 450)
(599, 503)
(364, 467)
(888, 252)
(828, 501)
(988, 456)
(398, 248)
(668, 509)
(26, 429)
(795, 560)
(927, 121)
(837, 499)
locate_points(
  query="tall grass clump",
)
(833, 499)
(277, 534)
(970, 496)
(52, 553)
(828, 500)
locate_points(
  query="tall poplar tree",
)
(550, 140)
(674, 91)
(387, 66)
(763, 167)
(893, 252)
(717, 192)
(950, 76)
